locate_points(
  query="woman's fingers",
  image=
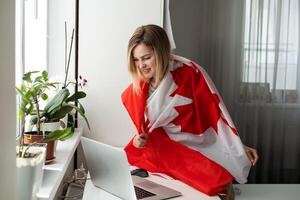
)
(140, 140)
(143, 136)
(252, 154)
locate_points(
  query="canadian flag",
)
(191, 136)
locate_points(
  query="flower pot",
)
(49, 126)
(32, 136)
(30, 172)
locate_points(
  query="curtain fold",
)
(167, 23)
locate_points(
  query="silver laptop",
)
(109, 170)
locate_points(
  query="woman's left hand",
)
(252, 154)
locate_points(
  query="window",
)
(31, 38)
(35, 35)
(271, 48)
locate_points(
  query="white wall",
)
(105, 28)
(7, 100)
(60, 11)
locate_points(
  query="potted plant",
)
(33, 91)
(30, 158)
(61, 105)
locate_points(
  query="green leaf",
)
(45, 75)
(23, 87)
(59, 114)
(81, 113)
(27, 76)
(60, 134)
(38, 79)
(44, 96)
(34, 72)
(33, 120)
(19, 91)
(36, 89)
(26, 102)
(20, 114)
(30, 109)
(81, 108)
(62, 124)
(57, 100)
(71, 121)
(76, 96)
(54, 84)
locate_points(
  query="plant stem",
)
(66, 44)
(21, 141)
(70, 83)
(38, 124)
(68, 65)
(29, 145)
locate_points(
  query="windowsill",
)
(54, 172)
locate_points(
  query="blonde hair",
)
(156, 38)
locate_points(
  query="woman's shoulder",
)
(180, 59)
(179, 63)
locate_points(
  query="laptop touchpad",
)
(147, 185)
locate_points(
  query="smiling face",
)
(148, 55)
(145, 62)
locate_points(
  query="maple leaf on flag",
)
(204, 113)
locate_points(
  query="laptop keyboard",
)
(141, 193)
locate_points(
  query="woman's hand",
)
(139, 141)
(252, 154)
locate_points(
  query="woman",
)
(183, 127)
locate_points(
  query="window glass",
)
(271, 43)
(35, 35)
(31, 39)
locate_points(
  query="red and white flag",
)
(191, 136)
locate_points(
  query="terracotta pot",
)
(32, 136)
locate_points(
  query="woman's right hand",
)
(139, 141)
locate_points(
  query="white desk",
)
(268, 192)
(248, 191)
(93, 193)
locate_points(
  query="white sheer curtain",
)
(271, 50)
(250, 48)
(270, 88)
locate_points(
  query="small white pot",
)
(50, 126)
(30, 173)
(47, 126)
